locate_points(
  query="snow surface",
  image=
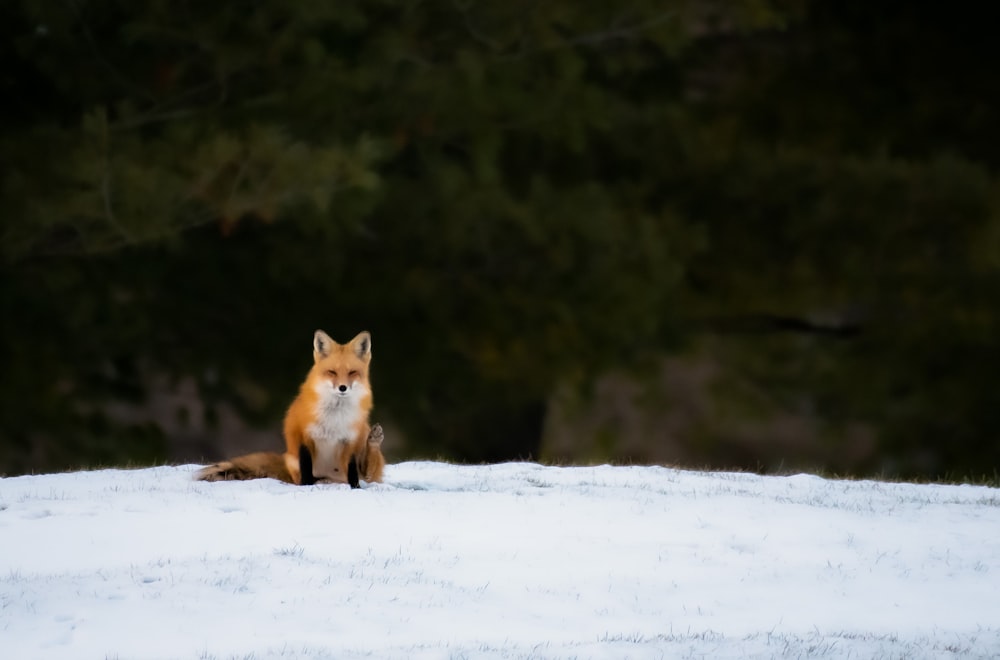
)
(498, 561)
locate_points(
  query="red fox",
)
(327, 436)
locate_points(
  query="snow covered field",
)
(502, 561)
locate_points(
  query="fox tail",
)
(260, 465)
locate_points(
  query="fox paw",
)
(376, 436)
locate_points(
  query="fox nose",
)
(342, 388)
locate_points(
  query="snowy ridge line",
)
(514, 560)
(520, 477)
(691, 645)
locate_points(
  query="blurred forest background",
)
(757, 234)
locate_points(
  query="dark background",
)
(746, 234)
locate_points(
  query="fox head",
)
(342, 369)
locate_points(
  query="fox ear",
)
(362, 345)
(322, 345)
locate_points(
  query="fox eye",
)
(331, 372)
(352, 374)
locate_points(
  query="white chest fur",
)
(337, 419)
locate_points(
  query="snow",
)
(497, 561)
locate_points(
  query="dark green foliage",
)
(511, 197)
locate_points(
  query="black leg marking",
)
(352, 473)
(306, 466)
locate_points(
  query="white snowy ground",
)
(502, 561)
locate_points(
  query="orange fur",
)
(329, 418)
